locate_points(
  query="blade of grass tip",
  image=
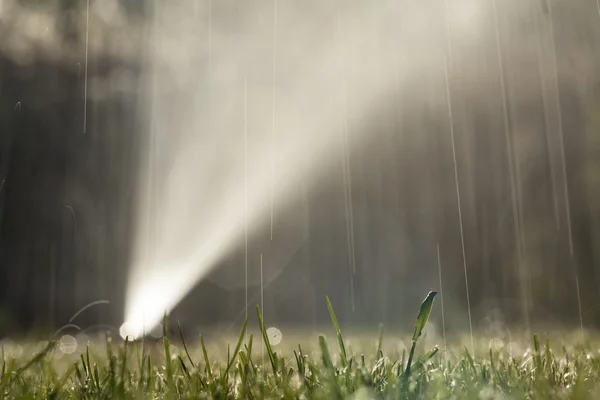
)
(326, 356)
(338, 332)
(237, 347)
(537, 357)
(85, 368)
(249, 345)
(298, 364)
(379, 342)
(38, 357)
(96, 377)
(78, 373)
(206, 360)
(142, 370)
(424, 358)
(266, 340)
(109, 352)
(184, 345)
(184, 368)
(420, 323)
(89, 365)
(7, 372)
(249, 352)
(150, 377)
(423, 316)
(548, 355)
(471, 362)
(493, 364)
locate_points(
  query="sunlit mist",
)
(228, 143)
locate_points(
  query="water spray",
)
(200, 213)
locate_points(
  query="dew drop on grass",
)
(67, 344)
(274, 336)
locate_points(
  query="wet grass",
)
(331, 369)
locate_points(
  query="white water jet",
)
(192, 198)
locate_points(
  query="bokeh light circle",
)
(274, 335)
(67, 344)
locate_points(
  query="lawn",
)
(332, 367)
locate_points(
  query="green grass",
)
(330, 369)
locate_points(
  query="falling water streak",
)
(209, 67)
(448, 33)
(262, 304)
(246, 193)
(546, 120)
(526, 287)
(439, 263)
(2, 184)
(564, 166)
(460, 221)
(346, 162)
(67, 326)
(92, 304)
(17, 105)
(516, 218)
(598, 7)
(273, 110)
(87, 36)
(74, 220)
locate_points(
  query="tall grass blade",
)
(338, 332)
(420, 323)
(185, 346)
(206, 360)
(38, 357)
(237, 348)
(423, 316)
(266, 340)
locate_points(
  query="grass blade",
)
(237, 348)
(38, 357)
(184, 345)
(206, 360)
(423, 316)
(379, 353)
(266, 339)
(338, 332)
(422, 319)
